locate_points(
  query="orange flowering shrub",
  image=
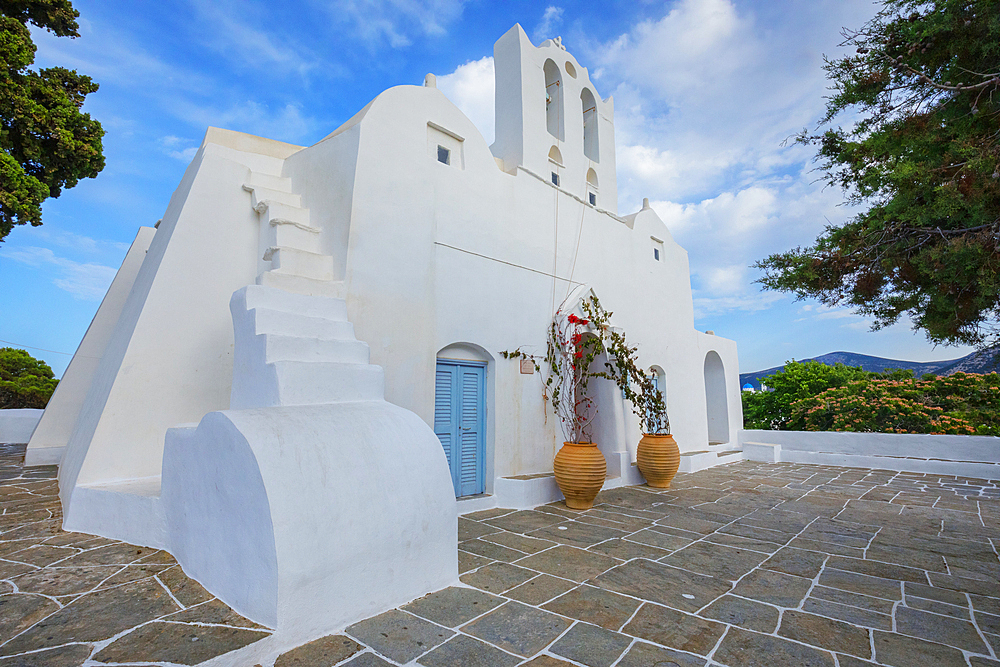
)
(963, 404)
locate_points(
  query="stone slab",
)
(518, 628)
(399, 636)
(675, 629)
(743, 648)
(453, 606)
(594, 605)
(591, 645)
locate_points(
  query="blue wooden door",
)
(460, 422)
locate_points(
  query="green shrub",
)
(25, 382)
(772, 409)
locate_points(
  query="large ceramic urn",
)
(658, 459)
(580, 472)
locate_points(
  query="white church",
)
(265, 389)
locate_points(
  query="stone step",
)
(275, 211)
(260, 195)
(297, 348)
(313, 383)
(271, 321)
(260, 179)
(300, 285)
(273, 298)
(697, 460)
(284, 234)
(730, 455)
(295, 262)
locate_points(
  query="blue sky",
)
(706, 92)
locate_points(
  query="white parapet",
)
(959, 455)
(17, 425)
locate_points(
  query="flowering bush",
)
(573, 344)
(962, 403)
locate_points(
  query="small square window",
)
(555, 178)
(656, 254)
(593, 199)
(444, 155)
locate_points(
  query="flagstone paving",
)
(742, 565)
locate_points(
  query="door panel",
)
(460, 423)
(443, 418)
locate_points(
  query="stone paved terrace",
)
(743, 565)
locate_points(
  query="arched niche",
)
(659, 378)
(555, 155)
(553, 100)
(715, 399)
(590, 143)
(592, 178)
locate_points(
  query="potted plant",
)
(658, 456)
(574, 343)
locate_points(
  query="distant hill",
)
(976, 362)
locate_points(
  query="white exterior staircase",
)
(294, 343)
(287, 239)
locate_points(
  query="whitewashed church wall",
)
(170, 360)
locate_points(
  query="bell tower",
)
(550, 120)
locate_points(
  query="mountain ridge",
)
(975, 362)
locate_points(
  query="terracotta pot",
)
(658, 459)
(580, 471)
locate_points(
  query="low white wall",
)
(17, 425)
(960, 455)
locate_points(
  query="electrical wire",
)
(31, 347)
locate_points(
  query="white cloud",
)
(174, 147)
(224, 30)
(397, 22)
(551, 19)
(77, 242)
(708, 306)
(706, 95)
(284, 123)
(724, 235)
(84, 280)
(471, 88)
(117, 58)
(826, 313)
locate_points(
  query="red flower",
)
(578, 354)
(573, 319)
